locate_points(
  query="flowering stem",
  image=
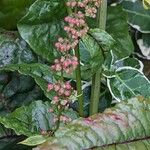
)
(78, 76)
(96, 79)
(79, 84)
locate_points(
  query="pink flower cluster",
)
(62, 99)
(64, 91)
(66, 63)
(89, 5)
(63, 119)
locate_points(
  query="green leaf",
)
(14, 50)
(139, 18)
(40, 72)
(11, 11)
(34, 140)
(128, 82)
(41, 26)
(103, 39)
(31, 120)
(127, 121)
(111, 64)
(117, 27)
(91, 55)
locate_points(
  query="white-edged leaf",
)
(128, 82)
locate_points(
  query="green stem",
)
(79, 84)
(96, 79)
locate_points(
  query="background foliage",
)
(28, 30)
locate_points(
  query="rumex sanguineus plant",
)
(76, 27)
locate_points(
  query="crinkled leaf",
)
(139, 17)
(14, 50)
(127, 121)
(31, 120)
(18, 90)
(137, 145)
(128, 82)
(41, 26)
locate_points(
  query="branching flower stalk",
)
(76, 27)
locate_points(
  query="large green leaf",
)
(41, 26)
(139, 17)
(11, 11)
(14, 50)
(128, 82)
(117, 27)
(31, 120)
(127, 121)
(40, 72)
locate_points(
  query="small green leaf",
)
(34, 140)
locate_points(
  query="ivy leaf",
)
(41, 26)
(139, 18)
(125, 122)
(128, 82)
